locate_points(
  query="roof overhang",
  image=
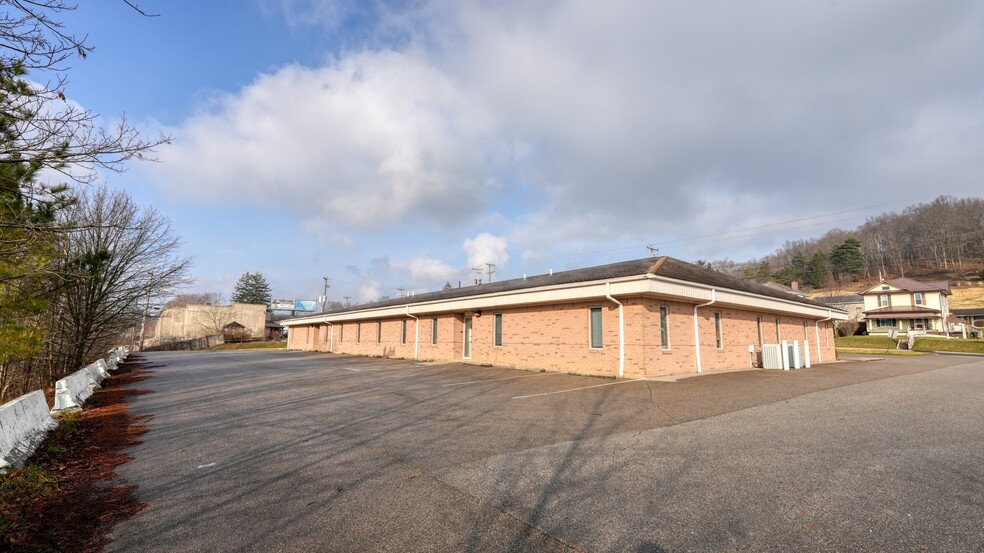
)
(648, 285)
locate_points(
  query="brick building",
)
(648, 317)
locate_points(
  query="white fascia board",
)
(701, 293)
(647, 285)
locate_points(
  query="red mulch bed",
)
(88, 499)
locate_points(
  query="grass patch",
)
(867, 342)
(955, 345)
(281, 344)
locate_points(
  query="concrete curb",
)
(24, 422)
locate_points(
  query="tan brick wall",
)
(556, 338)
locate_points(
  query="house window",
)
(886, 323)
(341, 333)
(883, 300)
(358, 332)
(403, 337)
(886, 287)
(918, 324)
(758, 325)
(717, 330)
(664, 326)
(434, 331)
(917, 298)
(379, 332)
(778, 335)
(594, 327)
(804, 331)
(498, 329)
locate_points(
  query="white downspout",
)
(416, 331)
(621, 330)
(817, 324)
(697, 328)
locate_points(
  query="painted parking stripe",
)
(498, 379)
(581, 388)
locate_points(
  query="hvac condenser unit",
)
(772, 356)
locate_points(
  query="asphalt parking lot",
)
(297, 451)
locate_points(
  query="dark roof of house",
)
(968, 311)
(840, 300)
(911, 285)
(662, 266)
(895, 311)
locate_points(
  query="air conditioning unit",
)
(772, 356)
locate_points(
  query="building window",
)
(434, 331)
(886, 323)
(594, 327)
(379, 332)
(718, 342)
(886, 287)
(917, 298)
(341, 333)
(883, 300)
(403, 336)
(498, 329)
(804, 331)
(664, 326)
(778, 334)
(918, 324)
(758, 325)
(358, 332)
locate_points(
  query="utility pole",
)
(478, 274)
(401, 291)
(491, 269)
(347, 302)
(324, 305)
(653, 250)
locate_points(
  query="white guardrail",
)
(25, 421)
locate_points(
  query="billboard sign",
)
(305, 305)
(282, 305)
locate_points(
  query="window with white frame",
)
(886, 323)
(918, 324)
(883, 300)
(594, 327)
(917, 298)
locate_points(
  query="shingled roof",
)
(662, 266)
(912, 285)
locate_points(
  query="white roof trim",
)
(641, 285)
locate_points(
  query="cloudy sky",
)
(396, 145)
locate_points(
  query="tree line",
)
(79, 262)
(945, 235)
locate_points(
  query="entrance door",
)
(466, 348)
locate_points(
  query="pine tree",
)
(252, 288)
(816, 271)
(847, 260)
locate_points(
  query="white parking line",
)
(498, 379)
(582, 388)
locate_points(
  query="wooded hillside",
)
(943, 238)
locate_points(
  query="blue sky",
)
(390, 145)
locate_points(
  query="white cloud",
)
(369, 141)
(587, 124)
(370, 291)
(486, 248)
(427, 269)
